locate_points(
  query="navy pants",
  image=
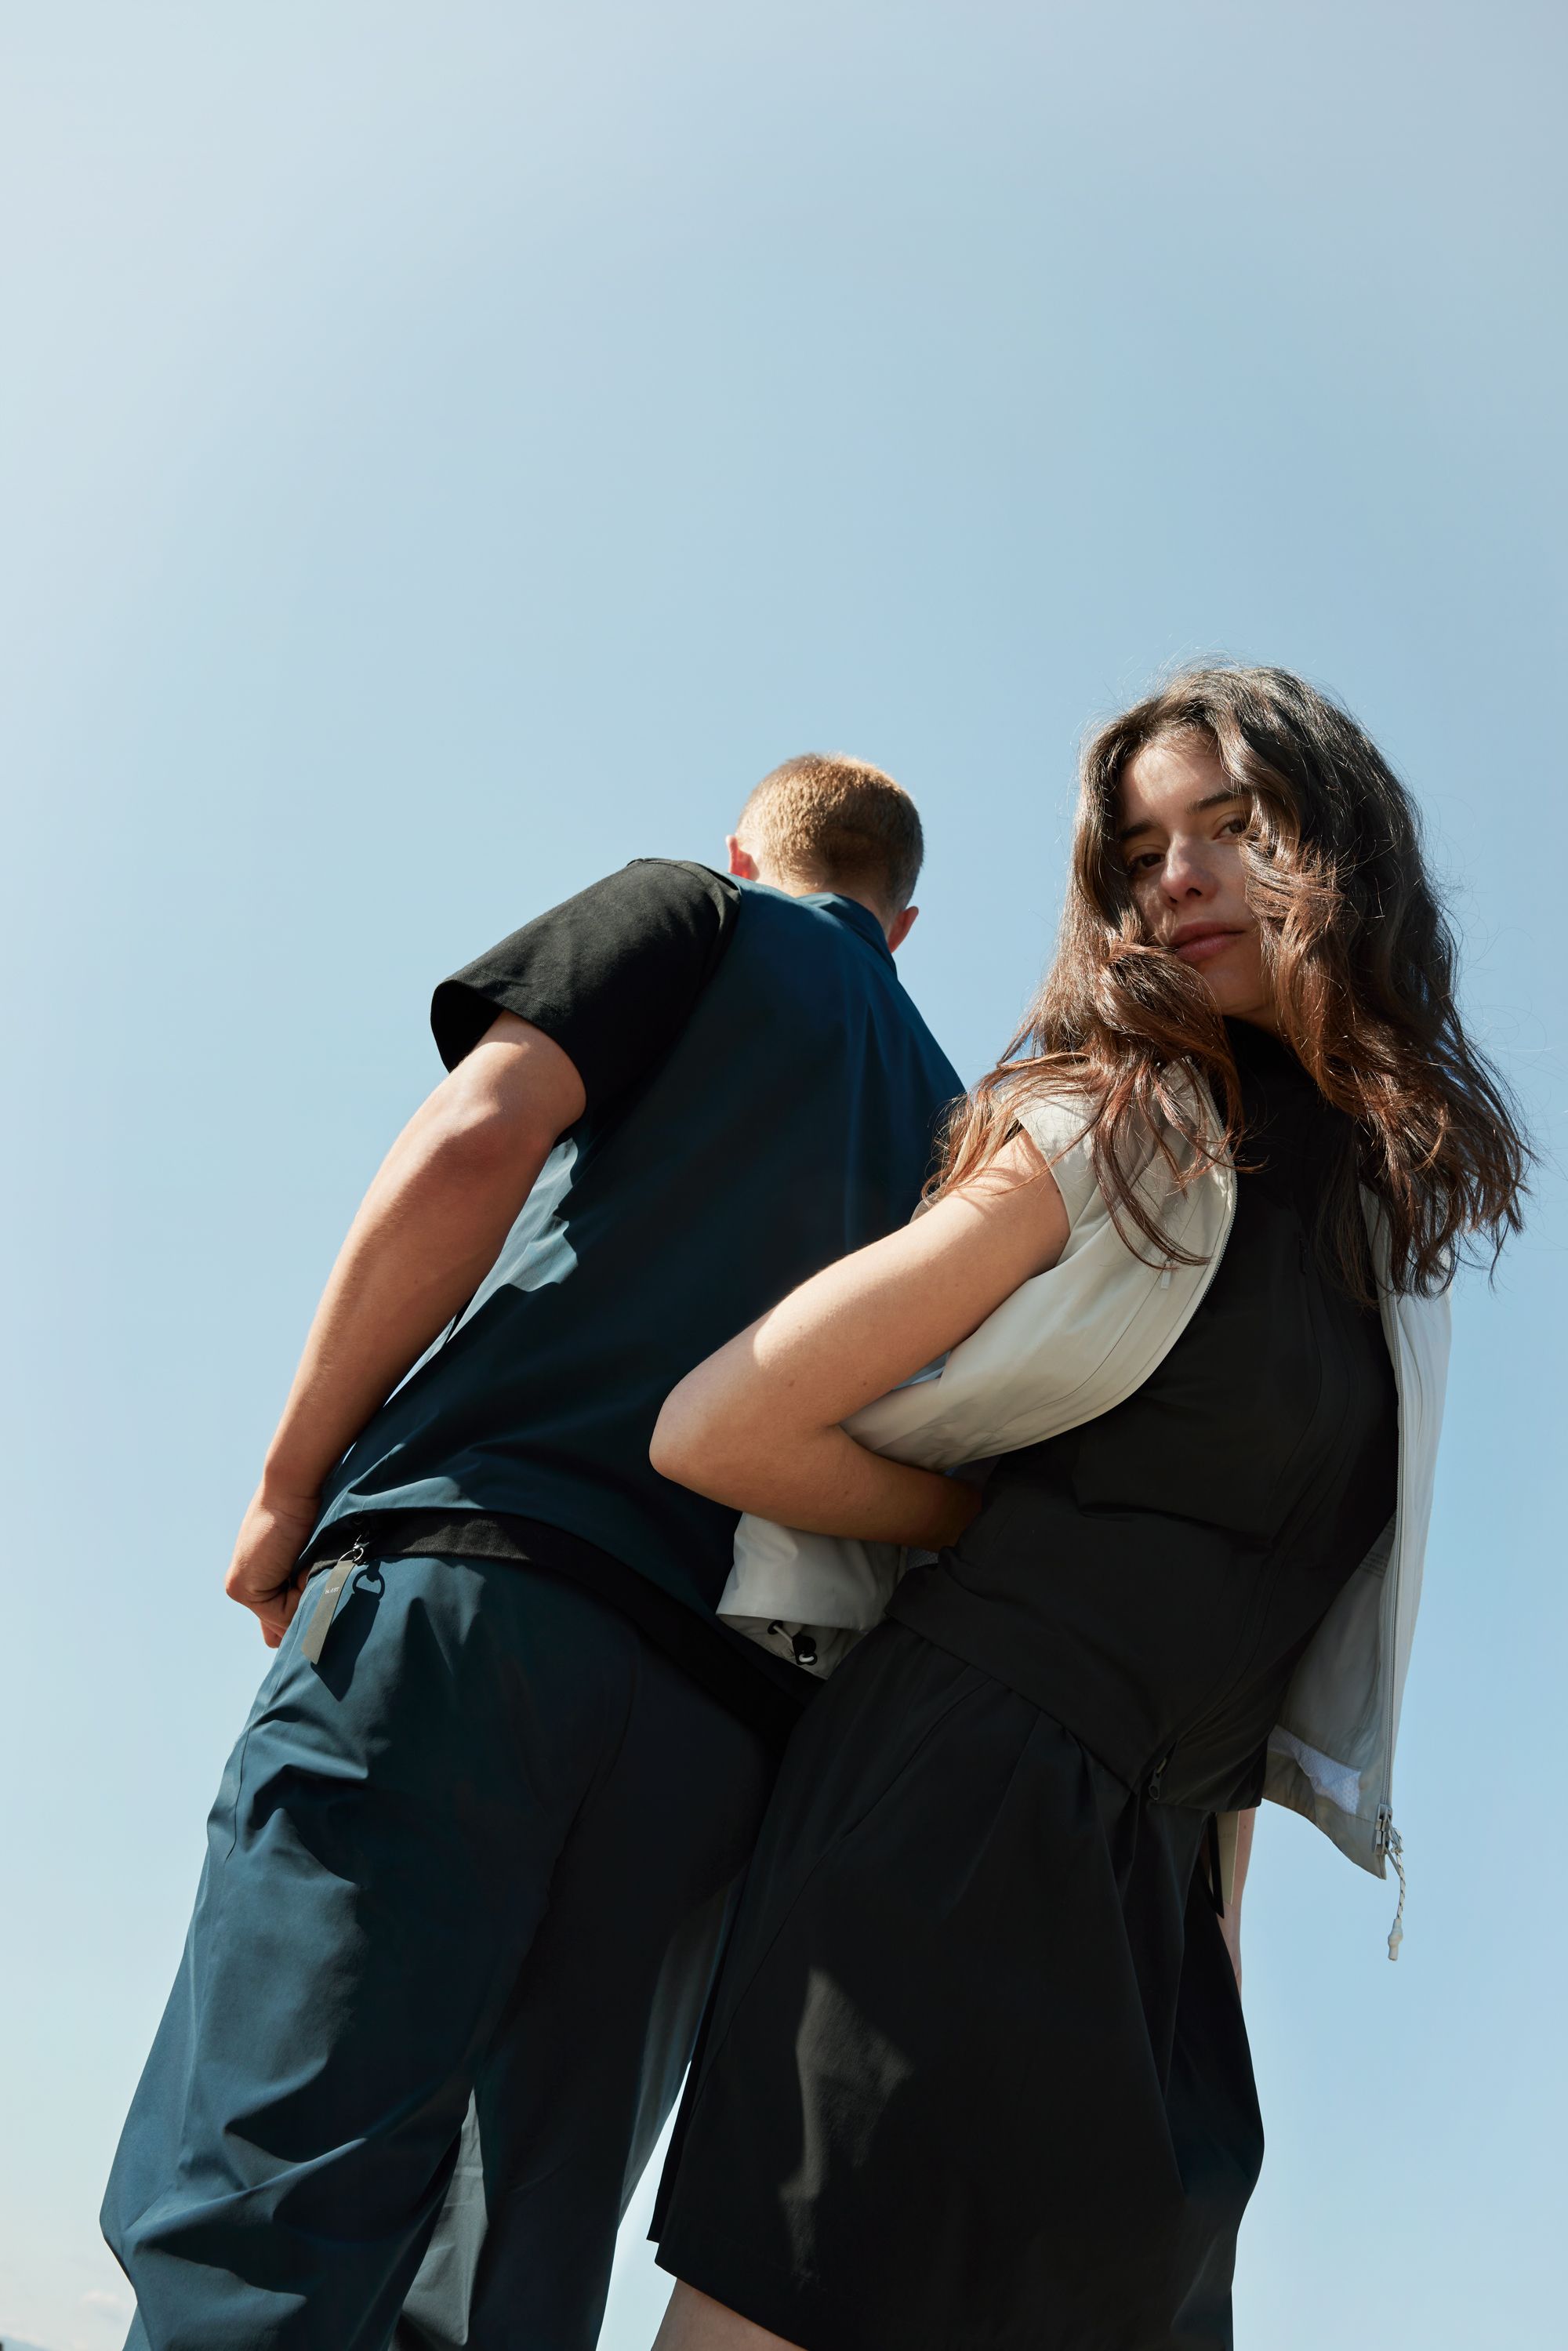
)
(465, 1885)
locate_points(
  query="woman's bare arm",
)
(757, 1424)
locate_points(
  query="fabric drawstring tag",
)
(802, 1648)
(1395, 1851)
(327, 1599)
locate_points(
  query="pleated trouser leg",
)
(463, 1887)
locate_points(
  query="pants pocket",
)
(223, 1820)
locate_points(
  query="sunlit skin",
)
(758, 1425)
(1182, 824)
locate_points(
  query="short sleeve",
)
(1058, 1126)
(611, 976)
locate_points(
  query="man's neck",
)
(795, 889)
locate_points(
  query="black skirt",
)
(976, 2073)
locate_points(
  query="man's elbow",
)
(482, 1141)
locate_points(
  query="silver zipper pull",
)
(331, 1591)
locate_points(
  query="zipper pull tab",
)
(336, 1577)
(1392, 1845)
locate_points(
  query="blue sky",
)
(448, 452)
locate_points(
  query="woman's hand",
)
(757, 1424)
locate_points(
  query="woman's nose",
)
(1185, 874)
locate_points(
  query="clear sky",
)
(451, 449)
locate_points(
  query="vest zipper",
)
(1387, 1838)
(1242, 1655)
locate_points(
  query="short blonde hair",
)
(837, 823)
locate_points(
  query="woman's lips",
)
(1204, 945)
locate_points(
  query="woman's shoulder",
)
(1163, 1145)
(1058, 1116)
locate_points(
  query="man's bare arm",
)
(427, 1232)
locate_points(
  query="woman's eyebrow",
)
(1194, 808)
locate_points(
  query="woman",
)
(975, 2072)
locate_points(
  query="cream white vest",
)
(1067, 1346)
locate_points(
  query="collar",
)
(1258, 1052)
(854, 917)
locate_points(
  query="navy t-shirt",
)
(762, 1097)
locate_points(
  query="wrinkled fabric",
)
(464, 1885)
(976, 2073)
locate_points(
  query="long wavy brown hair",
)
(1361, 958)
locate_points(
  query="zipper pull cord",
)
(1394, 1846)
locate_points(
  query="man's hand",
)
(264, 1574)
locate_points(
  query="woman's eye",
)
(1236, 825)
(1146, 860)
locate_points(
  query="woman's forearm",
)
(827, 1484)
(760, 1423)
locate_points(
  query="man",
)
(469, 1865)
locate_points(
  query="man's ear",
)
(742, 863)
(898, 930)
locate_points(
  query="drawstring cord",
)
(1392, 1845)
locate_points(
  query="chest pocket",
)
(1221, 1434)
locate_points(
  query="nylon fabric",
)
(464, 1885)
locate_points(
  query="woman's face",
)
(1181, 825)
